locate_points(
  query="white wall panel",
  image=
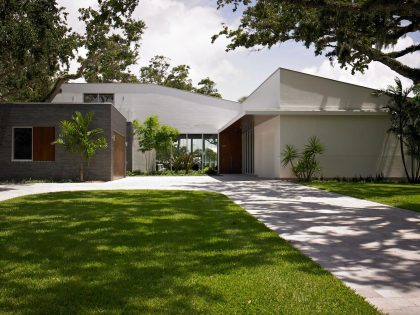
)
(355, 145)
(267, 148)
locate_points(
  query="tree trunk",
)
(403, 159)
(81, 171)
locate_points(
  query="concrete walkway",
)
(374, 249)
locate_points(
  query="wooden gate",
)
(119, 156)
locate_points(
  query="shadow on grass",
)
(153, 252)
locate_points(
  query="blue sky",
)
(181, 30)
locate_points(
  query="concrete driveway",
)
(374, 249)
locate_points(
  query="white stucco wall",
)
(189, 112)
(139, 159)
(267, 148)
(356, 145)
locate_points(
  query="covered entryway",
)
(236, 144)
(118, 169)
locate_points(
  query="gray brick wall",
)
(66, 165)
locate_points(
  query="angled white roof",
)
(288, 90)
(187, 111)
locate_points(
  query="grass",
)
(160, 252)
(406, 196)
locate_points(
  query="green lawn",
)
(398, 195)
(165, 252)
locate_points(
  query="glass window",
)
(210, 151)
(22, 143)
(182, 141)
(106, 98)
(90, 98)
(195, 144)
(98, 98)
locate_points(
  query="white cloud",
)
(183, 33)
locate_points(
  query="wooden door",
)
(119, 156)
(230, 144)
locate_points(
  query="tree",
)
(151, 135)
(354, 32)
(159, 71)
(156, 72)
(307, 164)
(76, 137)
(405, 124)
(165, 138)
(207, 87)
(37, 46)
(178, 78)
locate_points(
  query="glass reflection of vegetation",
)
(203, 147)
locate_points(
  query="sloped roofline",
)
(279, 69)
(158, 86)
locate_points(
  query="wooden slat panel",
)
(43, 150)
(230, 144)
(119, 156)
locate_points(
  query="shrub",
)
(304, 165)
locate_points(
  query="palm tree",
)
(76, 137)
(405, 116)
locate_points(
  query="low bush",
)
(305, 164)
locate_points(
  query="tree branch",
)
(377, 55)
(58, 83)
(400, 53)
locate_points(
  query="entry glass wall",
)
(203, 147)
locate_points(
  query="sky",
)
(181, 30)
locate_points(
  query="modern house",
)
(287, 108)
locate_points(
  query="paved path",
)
(375, 249)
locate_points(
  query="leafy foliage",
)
(151, 135)
(35, 42)
(37, 46)
(183, 160)
(207, 87)
(159, 72)
(307, 165)
(76, 137)
(351, 32)
(405, 124)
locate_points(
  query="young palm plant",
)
(304, 165)
(76, 137)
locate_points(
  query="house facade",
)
(287, 108)
(27, 131)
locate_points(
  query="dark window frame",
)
(13, 155)
(98, 97)
(13, 144)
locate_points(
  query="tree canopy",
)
(353, 32)
(37, 46)
(159, 71)
(152, 135)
